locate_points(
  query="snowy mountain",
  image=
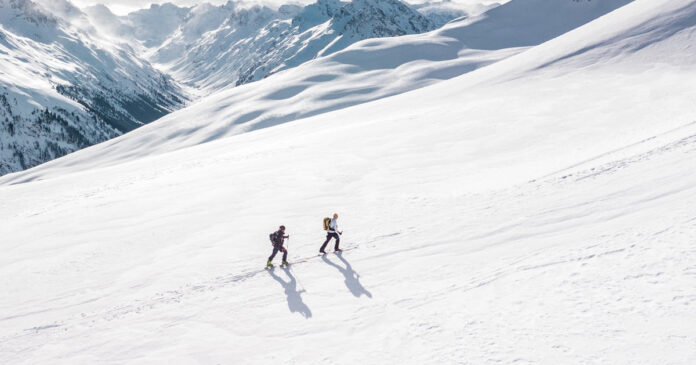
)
(217, 46)
(63, 87)
(74, 78)
(366, 71)
(443, 11)
(69, 84)
(536, 209)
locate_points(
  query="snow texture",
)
(538, 209)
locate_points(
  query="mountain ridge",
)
(65, 88)
(253, 43)
(362, 73)
(77, 78)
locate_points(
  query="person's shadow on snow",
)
(352, 278)
(294, 296)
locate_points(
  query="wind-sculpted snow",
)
(535, 210)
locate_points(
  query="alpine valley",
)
(71, 78)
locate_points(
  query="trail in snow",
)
(529, 212)
(299, 288)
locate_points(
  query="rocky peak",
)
(383, 18)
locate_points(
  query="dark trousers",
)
(275, 251)
(329, 236)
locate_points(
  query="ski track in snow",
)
(568, 266)
(170, 296)
(539, 209)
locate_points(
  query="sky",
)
(122, 7)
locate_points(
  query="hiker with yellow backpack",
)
(331, 228)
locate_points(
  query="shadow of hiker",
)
(295, 302)
(352, 278)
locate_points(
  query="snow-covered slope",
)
(531, 22)
(111, 90)
(536, 210)
(366, 71)
(63, 88)
(248, 44)
(72, 79)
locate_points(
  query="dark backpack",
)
(273, 236)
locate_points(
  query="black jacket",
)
(277, 238)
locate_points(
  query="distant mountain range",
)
(210, 47)
(64, 86)
(71, 78)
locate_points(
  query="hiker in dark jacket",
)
(277, 239)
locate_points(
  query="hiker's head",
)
(335, 215)
(282, 228)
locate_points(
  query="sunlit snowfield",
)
(538, 209)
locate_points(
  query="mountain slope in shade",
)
(63, 87)
(531, 22)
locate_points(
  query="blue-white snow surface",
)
(538, 209)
